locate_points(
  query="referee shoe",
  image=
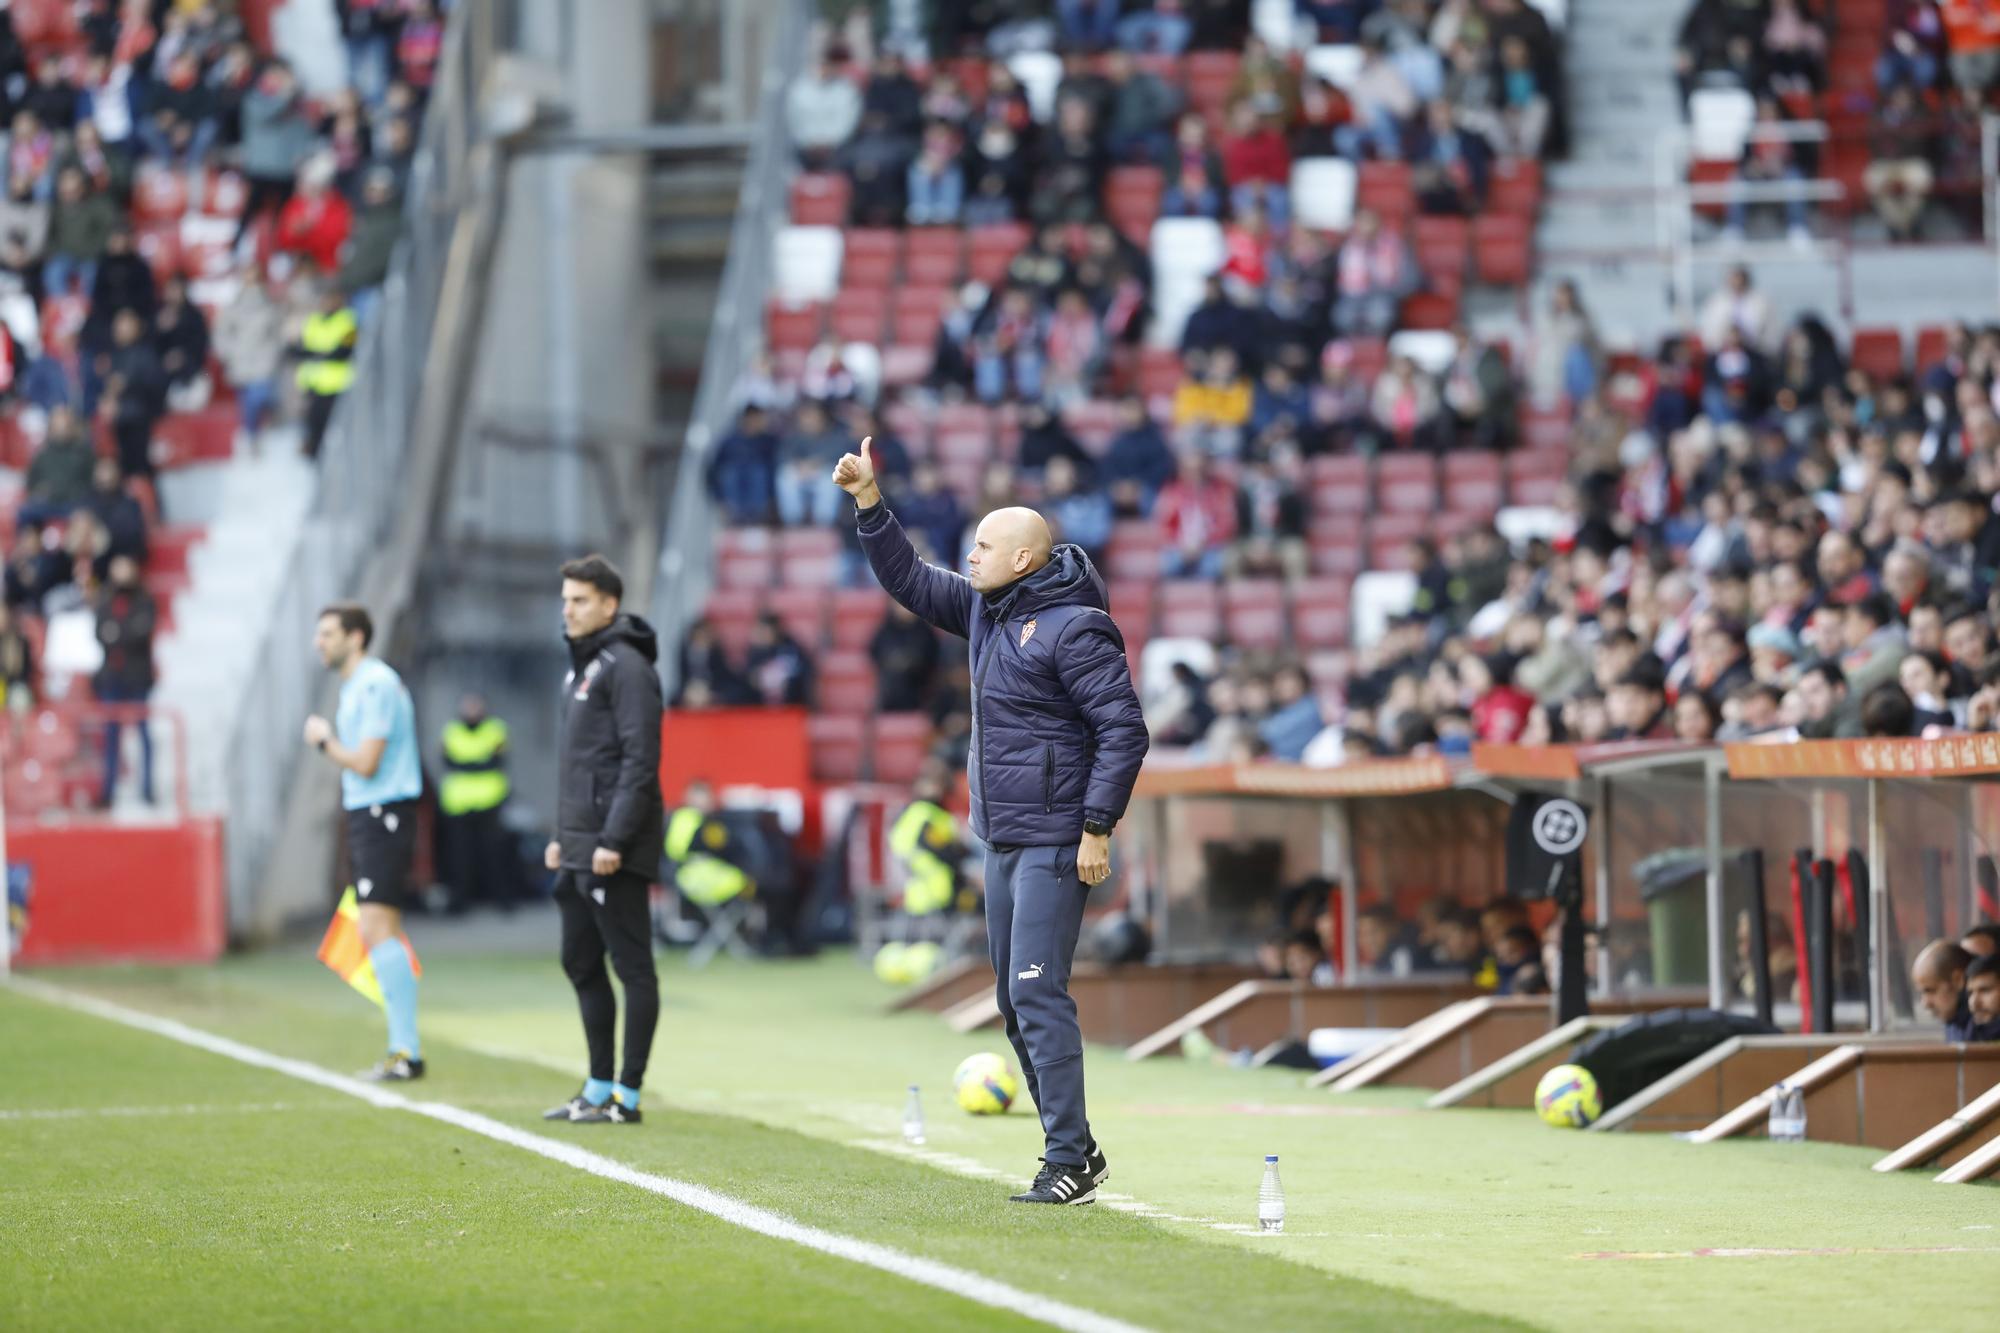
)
(398, 1068)
(1059, 1184)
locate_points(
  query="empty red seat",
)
(1337, 554)
(1441, 245)
(836, 747)
(1406, 483)
(992, 249)
(807, 541)
(792, 328)
(1253, 592)
(1159, 372)
(919, 311)
(1474, 483)
(933, 256)
(1933, 345)
(1500, 249)
(809, 570)
(802, 611)
(744, 569)
(856, 613)
(846, 684)
(859, 316)
(1384, 188)
(1543, 429)
(732, 611)
(1256, 628)
(1879, 352)
(1132, 605)
(1319, 614)
(906, 364)
(868, 258)
(819, 199)
(1429, 310)
(1190, 609)
(902, 743)
(1516, 188)
(167, 548)
(204, 436)
(1208, 77)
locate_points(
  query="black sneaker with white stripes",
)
(613, 1112)
(569, 1110)
(397, 1068)
(1094, 1164)
(1056, 1183)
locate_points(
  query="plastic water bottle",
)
(1271, 1198)
(913, 1118)
(1788, 1115)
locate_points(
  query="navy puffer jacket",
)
(1057, 735)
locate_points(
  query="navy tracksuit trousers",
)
(1034, 912)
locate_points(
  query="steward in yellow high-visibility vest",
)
(926, 837)
(475, 766)
(326, 362)
(481, 861)
(698, 845)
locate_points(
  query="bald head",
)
(1939, 974)
(1010, 544)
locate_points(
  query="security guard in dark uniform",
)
(479, 863)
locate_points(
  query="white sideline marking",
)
(974, 1287)
(145, 1112)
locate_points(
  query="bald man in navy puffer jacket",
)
(1057, 739)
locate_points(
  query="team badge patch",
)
(1027, 633)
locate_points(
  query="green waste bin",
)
(1674, 887)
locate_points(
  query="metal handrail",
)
(687, 554)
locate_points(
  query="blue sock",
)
(627, 1097)
(597, 1091)
(399, 988)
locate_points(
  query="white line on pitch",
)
(974, 1287)
(146, 1112)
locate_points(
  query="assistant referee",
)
(373, 741)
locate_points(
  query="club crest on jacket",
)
(1027, 633)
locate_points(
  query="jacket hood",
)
(625, 628)
(1069, 579)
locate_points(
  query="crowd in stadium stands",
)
(176, 211)
(1902, 88)
(1497, 946)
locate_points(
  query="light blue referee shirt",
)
(374, 705)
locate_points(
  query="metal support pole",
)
(1600, 865)
(1760, 935)
(1718, 958)
(1343, 820)
(1879, 962)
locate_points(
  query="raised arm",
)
(939, 596)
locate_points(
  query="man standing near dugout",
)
(373, 741)
(609, 828)
(1057, 739)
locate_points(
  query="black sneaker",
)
(1056, 1183)
(612, 1112)
(568, 1110)
(1094, 1164)
(397, 1068)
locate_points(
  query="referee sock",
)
(399, 991)
(597, 1091)
(627, 1097)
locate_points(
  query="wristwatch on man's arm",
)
(1097, 828)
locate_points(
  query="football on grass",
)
(1567, 1097)
(985, 1084)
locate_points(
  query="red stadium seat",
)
(1406, 483)
(1208, 77)
(819, 199)
(745, 570)
(856, 615)
(836, 747)
(1260, 593)
(1190, 609)
(1501, 249)
(1094, 423)
(992, 249)
(934, 257)
(1384, 188)
(168, 548)
(1879, 352)
(1516, 188)
(1159, 372)
(1256, 628)
(1132, 605)
(158, 195)
(1371, 357)
(1933, 345)
(224, 193)
(906, 364)
(869, 257)
(902, 743)
(1319, 614)
(919, 311)
(1545, 429)
(859, 316)
(1337, 554)
(732, 611)
(792, 328)
(846, 684)
(1429, 310)
(802, 611)
(1441, 245)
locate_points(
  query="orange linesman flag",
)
(343, 951)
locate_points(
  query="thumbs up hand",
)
(855, 474)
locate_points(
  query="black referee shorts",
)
(381, 839)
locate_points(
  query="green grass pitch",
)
(144, 1184)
